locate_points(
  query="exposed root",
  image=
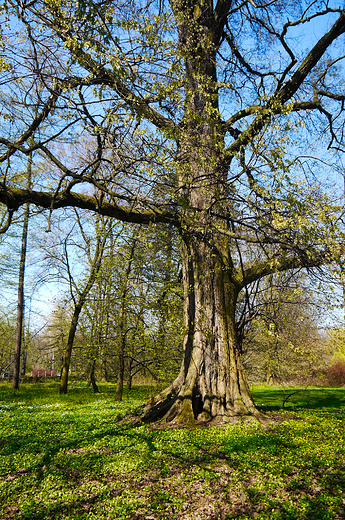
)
(175, 408)
(158, 408)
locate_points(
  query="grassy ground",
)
(70, 457)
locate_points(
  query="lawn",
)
(72, 457)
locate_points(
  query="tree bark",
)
(130, 375)
(68, 349)
(121, 361)
(93, 377)
(21, 299)
(211, 384)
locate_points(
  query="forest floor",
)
(74, 457)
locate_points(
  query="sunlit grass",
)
(70, 457)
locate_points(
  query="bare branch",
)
(280, 97)
(8, 222)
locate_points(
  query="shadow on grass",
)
(226, 469)
(243, 457)
(309, 398)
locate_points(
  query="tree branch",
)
(13, 198)
(101, 75)
(276, 103)
(13, 147)
(8, 222)
(220, 16)
(283, 263)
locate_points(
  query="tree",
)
(122, 325)
(336, 344)
(282, 341)
(197, 115)
(89, 244)
(21, 301)
(134, 310)
(95, 264)
(53, 338)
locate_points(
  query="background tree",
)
(21, 300)
(129, 298)
(53, 338)
(196, 112)
(92, 243)
(283, 342)
(121, 332)
(336, 344)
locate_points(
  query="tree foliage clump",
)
(336, 344)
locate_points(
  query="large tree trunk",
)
(211, 384)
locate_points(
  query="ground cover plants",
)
(74, 457)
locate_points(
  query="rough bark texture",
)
(211, 384)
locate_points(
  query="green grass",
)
(273, 398)
(70, 457)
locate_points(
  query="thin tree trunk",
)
(20, 304)
(95, 266)
(21, 298)
(68, 350)
(93, 377)
(24, 362)
(130, 375)
(122, 326)
(103, 304)
(121, 359)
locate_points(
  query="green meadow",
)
(76, 457)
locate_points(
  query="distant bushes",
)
(336, 374)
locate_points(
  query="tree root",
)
(185, 410)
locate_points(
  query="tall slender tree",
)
(21, 278)
(79, 301)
